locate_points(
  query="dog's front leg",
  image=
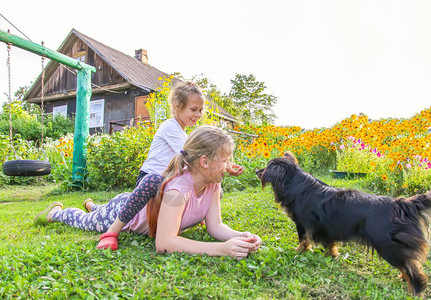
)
(304, 243)
(333, 249)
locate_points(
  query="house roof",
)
(134, 71)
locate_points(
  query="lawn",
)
(61, 262)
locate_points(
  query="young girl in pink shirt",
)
(190, 193)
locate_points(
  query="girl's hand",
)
(234, 169)
(238, 247)
(255, 240)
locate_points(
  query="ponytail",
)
(175, 168)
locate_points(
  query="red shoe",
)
(108, 240)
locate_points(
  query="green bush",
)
(417, 181)
(318, 160)
(417, 176)
(248, 178)
(58, 127)
(357, 157)
(115, 160)
(19, 149)
(30, 129)
(60, 155)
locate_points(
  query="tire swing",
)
(25, 167)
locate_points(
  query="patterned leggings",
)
(125, 206)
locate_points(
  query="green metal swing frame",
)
(83, 96)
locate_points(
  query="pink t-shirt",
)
(195, 208)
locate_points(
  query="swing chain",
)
(8, 45)
(42, 93)
(8, 63)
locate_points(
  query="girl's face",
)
(191, 112)
(217, 166)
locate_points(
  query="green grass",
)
(57, 261)
(14, 193)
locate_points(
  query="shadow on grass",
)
(30, 193)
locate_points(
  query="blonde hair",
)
(181, 93)
(204, 140)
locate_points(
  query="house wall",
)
(117, 106)
(120, 106)
(71, 106)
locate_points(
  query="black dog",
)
(395, 227)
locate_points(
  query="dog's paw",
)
(303, 247)
(333, 251)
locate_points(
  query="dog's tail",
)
(413, 223)
(420, 202)
(417, 208)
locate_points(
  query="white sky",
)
(323, 59)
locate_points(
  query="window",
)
(96, 113)
(80, 56)
(59, 110)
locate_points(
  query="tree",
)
(20, 93)
(31, 108)
(17, 103)
(215, 94)
(212, 92)
(253, 105)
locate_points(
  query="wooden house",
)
(120, 86)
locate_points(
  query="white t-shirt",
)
(168, 141)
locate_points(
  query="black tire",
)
(26, 168)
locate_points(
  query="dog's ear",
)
(290, 157)
(267, 175)
(259, 173)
